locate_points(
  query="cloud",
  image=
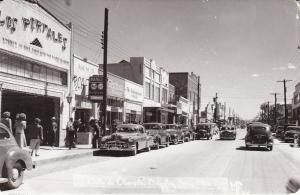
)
(291, 66)
(255, 75)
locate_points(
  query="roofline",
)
(45, 9)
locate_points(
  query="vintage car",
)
(188, 132)
(227, 132)
(13, 160)
(176, 134)
(159, 134)
(205, 130)
(259, 135)
(127, 138)
(291, 133)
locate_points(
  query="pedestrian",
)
(53, 132)
(70, 133)
(76, 125)
(36, 136)
(6, 120)
(20, 127)
(96, 132)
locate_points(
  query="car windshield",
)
(258, 130)
(152, 126)
(127, 130)
(224, 128)
(170, 127)
(205, 127)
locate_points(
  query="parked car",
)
(227, 132)
(176, 135)
(128, 138)
(159, 134)
(259, 135)
(279, 131)
(205, 130)
(13, 160)
(189, 133)
(291, 133)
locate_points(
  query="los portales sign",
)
(29, 30)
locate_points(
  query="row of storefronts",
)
(41, 77)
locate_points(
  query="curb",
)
(61, 158)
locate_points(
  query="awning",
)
(167, 109)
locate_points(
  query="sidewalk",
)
(48, 154)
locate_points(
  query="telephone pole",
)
(198, 101)
(275, 107)
(216, 105)
(105, 37)
(224, 113)
(268, 107)
(285, 107)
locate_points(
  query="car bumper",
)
(289, 139)
(250, 144)
(228, 137)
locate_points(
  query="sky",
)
(240, 48)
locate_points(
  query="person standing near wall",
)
(6, 120)
(70, 133)
(53, 132)
(20, 127)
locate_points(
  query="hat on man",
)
(53, 118)
(6, 114)
(37, 120)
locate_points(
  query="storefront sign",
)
(82, 71)
(96, 91)
(128, 106)
(28, 30)
(115, 86)
(133, 91)
(184, 104)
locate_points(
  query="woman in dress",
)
(20, 127)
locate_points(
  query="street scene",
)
(149, 97)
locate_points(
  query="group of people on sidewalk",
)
(73, 127)
(33, 131)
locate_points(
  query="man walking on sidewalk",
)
(36, 135)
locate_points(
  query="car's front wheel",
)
(14, 176)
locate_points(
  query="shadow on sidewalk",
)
(251, 149)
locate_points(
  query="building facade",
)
(155, 82)
(35, 63)
(187, 86)
(296, 104)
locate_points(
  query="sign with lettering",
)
(96, 91)
(133, 91)
(29, 30)
(82, 72)
(115, 85)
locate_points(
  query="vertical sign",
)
(96, 90)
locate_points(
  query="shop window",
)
(36, 72)
(152, 92)
(28, 70)
(157, 94)
(12, 67)
(64, 76)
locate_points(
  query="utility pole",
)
(105, 37)
(285, 107)
(224, 113)
(216, 105)
(198, 101)
(268, 108)
(275, 107)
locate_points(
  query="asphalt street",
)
(202, 166)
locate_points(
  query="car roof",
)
(152, 124)
(259, 125)
(130, 125)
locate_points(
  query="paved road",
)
(201, 166)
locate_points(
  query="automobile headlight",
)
(130, 140)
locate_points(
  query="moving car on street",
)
(228, 132)
(205, 130)
(13, 160)
(291, 133)
(159, 134)
(128, 138)
(259, 135)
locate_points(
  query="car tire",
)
(14, 175)
(270, 148)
